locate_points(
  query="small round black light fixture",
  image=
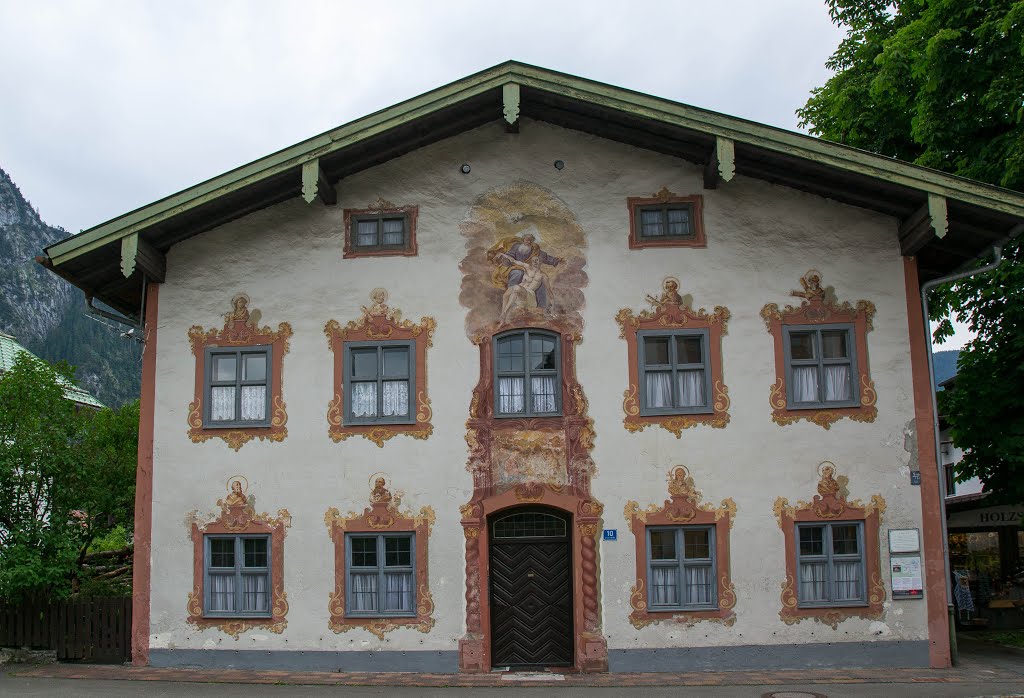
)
(559, 165)
(465, 168)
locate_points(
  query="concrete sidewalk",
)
(984, 670)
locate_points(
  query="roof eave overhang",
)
(975, 215)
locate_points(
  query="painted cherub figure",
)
(811, 282)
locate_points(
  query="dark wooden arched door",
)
(531, 588)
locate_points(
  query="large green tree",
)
(67, 477)
(941, 83)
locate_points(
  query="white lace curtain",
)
(393, 232)
(255, 596)
(691, 389)
(837, 383)
(395, 399)
(698, 585)
(363, 594)
(847, 580)
(542, 390)
(222, 592)
(399, 592)
(665, 586)
(254, 403)
(813, 581)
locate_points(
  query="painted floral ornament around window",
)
(382, 516)
(380, 322)
(673, 311)
(241, 328)
(830, 504)
(238, 516)
(820, 306)
(684, 507)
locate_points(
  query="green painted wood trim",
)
(510, 102)
(129, 249)
(641, 105)
(938, 215)
(725, 154)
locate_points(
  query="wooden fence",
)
(92, 630)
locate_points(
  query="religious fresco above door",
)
(524, 262)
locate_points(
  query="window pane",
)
(222, 592)
(650, 222)
(542, 393)
(255, 594)
(656, 351)
(542, 353)
(510, 395)
(364, 363)
(399, 592)
(837, 383)
(659, 388)
(363, 593)
(394, 231)
(691, 388)
(254, 402)
(801, 345)
(689, 350)
(254, 367)
(222, 552)
(833, 345)
(367, 233)
(255, 552)
(364, 400)
(699, 582)
(812, 540)
(679, 221)
(847, 577)
(510, 354)
(396, 399)
(224, 368)
(665, 586)
(396, 362)
(364, 552)
(813, 581)
(529, 524)
(697, 545)
(398, 551)
(844, 539)
(663, 545)
(222, 404)
(805, 383)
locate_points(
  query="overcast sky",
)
(108, 105)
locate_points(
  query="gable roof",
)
(10, 350)
(925, 201)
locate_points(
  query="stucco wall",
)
(761, 240)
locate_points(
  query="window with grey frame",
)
(681, 568)
(665, 222)
(385, 231)
(674, 372)
(527, 380)
(381, 574)
(238, 386)
(380, 378)
(821, 366)
(237, 570)
(830, 563)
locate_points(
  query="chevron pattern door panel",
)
(531, 603)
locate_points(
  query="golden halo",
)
(379, 295)
(240, 295)
(670, 278)
(673, 471)
(812, 272)
(245, 487)
(827, 464)
(371, 482)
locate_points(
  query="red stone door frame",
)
(590, 651)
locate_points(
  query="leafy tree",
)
(940, 83)
(67, 476)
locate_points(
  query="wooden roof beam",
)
(510, 106)
(315, 184)
(721, 165)
(137, 253)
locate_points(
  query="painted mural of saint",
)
(513, 258)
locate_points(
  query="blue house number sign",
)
(611, 534)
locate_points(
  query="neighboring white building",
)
(535, 371)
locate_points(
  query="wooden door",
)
(531, 589)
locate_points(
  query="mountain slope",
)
(48, 316)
